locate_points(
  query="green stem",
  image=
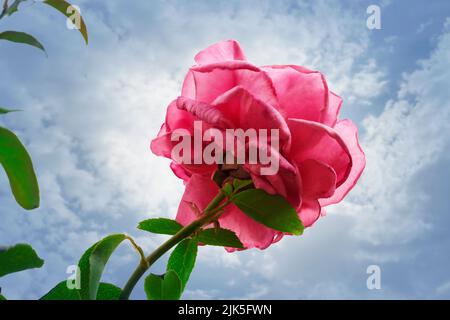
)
(209, 215)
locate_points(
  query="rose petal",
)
(321, 143)
(349, 133)
(222, 51)
(318, 179)
(261, 182)
(247, 112)
(160, 145)
(285, 182)
(177, 119)
(251, 233)
(207, 82)
(200, 190)
(330, 116)
(205, 112)
(309, 212)
(302, 94)
(180, 171)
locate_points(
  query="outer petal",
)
(180, 171)
(309, 212)
(207, 82)
(349, 133)
(200, 190)
(330, 115)
(251, 233)
(223, 51)
(318, 179)
(261, 182)
(312, 140)
(302, 94)
(175, 119)
(162, 145)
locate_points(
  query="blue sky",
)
(90, 113)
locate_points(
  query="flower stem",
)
(209, 214)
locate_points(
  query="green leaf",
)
(182, 259)
(61, 292)
(219, 237)
(63, 7)
(19, 169)
(5, 111)
(160, 226)
(14, 7)
(153, 287)
(84, 269)
(273, 211)
(172, 286)
(17, 258)
(106, 291)
(93, 262)
(2, 297)
(167, 287)
(21, 37)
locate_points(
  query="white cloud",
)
(424, 26)
(409, 136)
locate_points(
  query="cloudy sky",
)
(90, 113)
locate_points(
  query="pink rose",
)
(319, 157)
